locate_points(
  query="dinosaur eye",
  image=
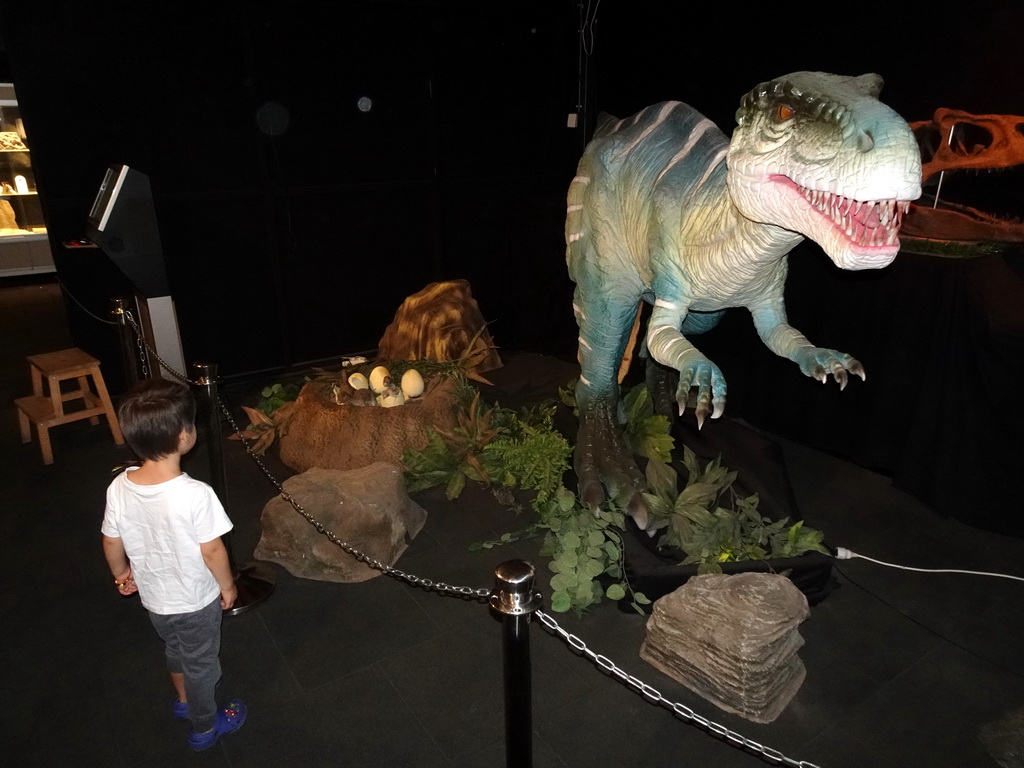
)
(784, 112)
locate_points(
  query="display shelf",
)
(24, 245)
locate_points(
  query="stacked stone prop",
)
(733, 640)
(366, 508)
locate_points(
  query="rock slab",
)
(733, 640)
(366, 508)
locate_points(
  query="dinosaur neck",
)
(731, 256)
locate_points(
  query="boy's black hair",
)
(153, 413)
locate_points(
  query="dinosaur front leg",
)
(603, 458)
(668, 346)
(785, 341)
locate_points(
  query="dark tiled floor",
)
(903, 668)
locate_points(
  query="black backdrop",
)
(300, 244)
(286, 246)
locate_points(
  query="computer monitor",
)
(122, 222)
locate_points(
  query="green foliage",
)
(452, 456)
(529, 452)
(705, 520)
(647, 433)
(276, 395)
(434, 465)
(567, 395)
(497, 445)
(709, 534)
(584, 550)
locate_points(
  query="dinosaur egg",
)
(391, 399)
(358, 381)
(412, 383)
(377, 376)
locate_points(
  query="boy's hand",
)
(228, 597)
(125, 583)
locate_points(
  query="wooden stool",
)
(46, 409)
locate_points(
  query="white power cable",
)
(842, 553)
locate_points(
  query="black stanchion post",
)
(126, 341)
(515, 599)
(255, 581)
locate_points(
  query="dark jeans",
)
(192, 646)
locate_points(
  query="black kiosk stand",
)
(122, 223)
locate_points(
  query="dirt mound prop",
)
(321, 432)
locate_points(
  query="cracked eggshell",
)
(392, 398)
(377, 376)
(358, 381)
(412, 383)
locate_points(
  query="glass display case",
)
(24, 245)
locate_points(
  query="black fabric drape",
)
(941, 411)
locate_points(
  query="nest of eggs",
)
(381, 388)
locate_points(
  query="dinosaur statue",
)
(664, 209)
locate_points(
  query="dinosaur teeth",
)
(865, 222)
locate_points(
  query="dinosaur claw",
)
(701, 413)
(841, 377)
(638, 511)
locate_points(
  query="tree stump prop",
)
(441, 323)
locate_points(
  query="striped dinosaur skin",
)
(665, 209)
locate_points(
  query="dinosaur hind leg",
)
(603, 459)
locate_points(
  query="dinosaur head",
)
(820, 155)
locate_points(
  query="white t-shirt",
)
(161, 527)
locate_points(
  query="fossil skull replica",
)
(956, 141)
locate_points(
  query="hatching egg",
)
(392, 398)
(358, 381)
(377, 376)
(412, 383)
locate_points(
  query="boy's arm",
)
(117, 560)
(216, 556)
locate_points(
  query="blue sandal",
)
(229, 720)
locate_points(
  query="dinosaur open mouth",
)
(866, 223)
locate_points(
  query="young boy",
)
(161, 538)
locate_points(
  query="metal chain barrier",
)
(82, 306)
(483, 594)
(683, 711)
(145, 347)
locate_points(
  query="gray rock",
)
(1004, 740)
(367, 508)
(733, 640)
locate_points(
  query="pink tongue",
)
(868, 216)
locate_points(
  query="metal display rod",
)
(515, 599)
(255, 581)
